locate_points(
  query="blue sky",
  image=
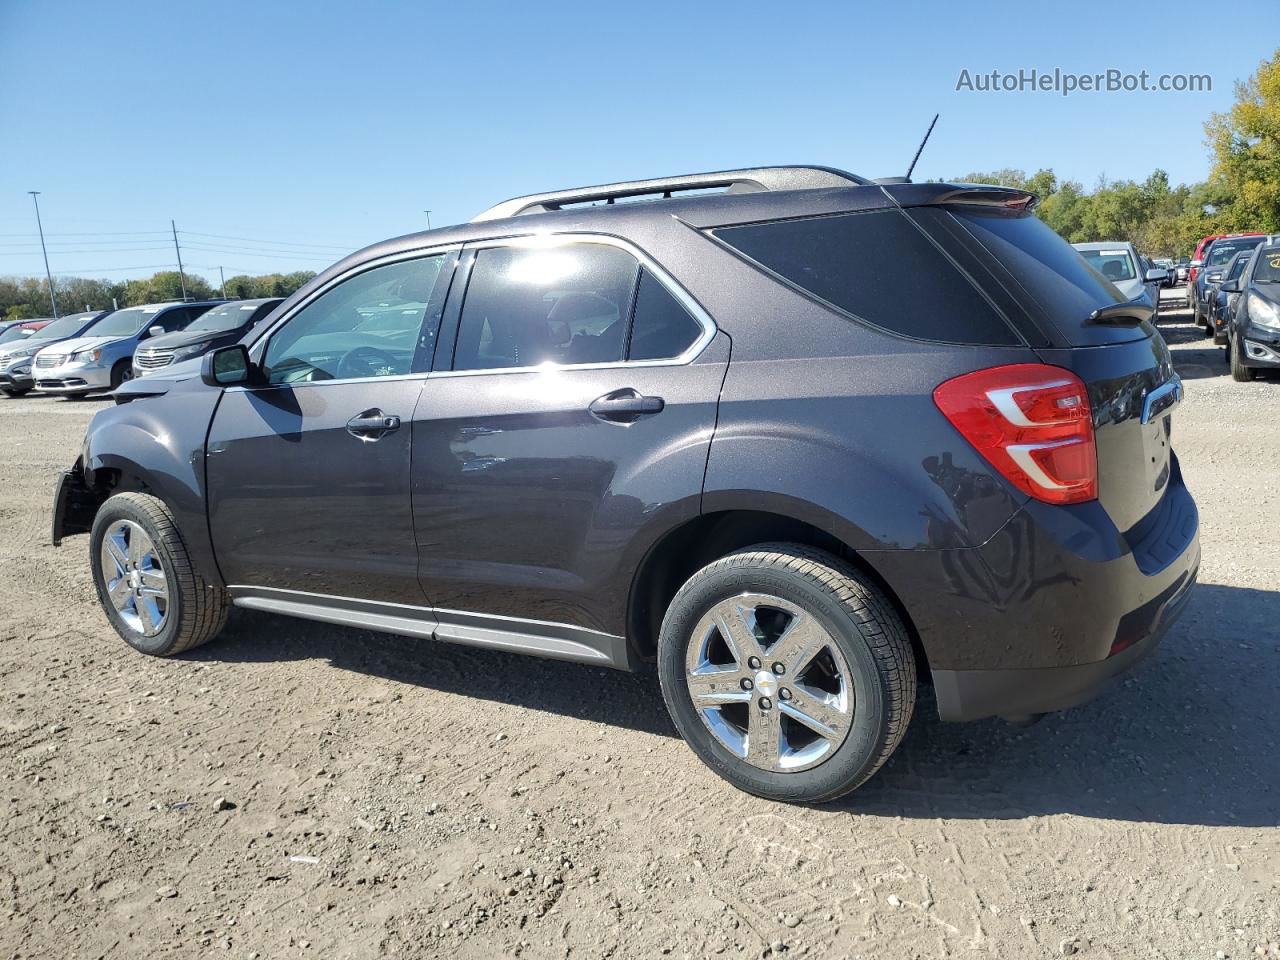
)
(312, 129)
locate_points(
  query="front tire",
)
(787, 671)
(120, 373)
(1239, 372)
(151, 593)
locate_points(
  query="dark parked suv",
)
(224, 324)
(798, 442)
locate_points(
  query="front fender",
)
(157, 445)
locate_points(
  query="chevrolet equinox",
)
(795, 437)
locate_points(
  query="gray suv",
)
(796, 439)
(103, 358)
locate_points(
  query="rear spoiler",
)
(976, 194)
(1132, 311)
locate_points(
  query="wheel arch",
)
(707, 537)
(130, 448)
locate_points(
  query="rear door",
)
(308, 474)
(568, 421)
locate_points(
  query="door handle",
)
(372, 425)
(625, 406)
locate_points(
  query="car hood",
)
(159, 382)
(184, 338)
(1132, 289)
(86, 343)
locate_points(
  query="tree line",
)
(24, 297)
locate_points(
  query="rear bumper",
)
(1046, 612)
(975, 694)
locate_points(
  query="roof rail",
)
(749, 180)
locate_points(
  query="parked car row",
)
(1246, 310)
(93, 352)
(1213, 254)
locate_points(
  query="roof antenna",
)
(919, 150)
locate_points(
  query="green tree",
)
(1246, 154)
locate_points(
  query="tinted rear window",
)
(876, 267)
(1062, 289)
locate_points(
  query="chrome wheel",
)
(769, 682)
(134, 578)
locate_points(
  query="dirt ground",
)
(298, 789)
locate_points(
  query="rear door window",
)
(661, 328)
(564, 305)
(876, 267)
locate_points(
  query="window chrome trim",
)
(544, 241)
(529, 241)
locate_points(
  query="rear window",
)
(1052, 279)
(1115, 265)
(876, 267)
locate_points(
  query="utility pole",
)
(182, 277)
(223, 279)
(428, 213)
(35, 198)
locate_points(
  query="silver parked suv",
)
(103, 360)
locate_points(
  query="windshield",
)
(1116, 265)
(16, 332)
(124, 323)
(1268, 269)
(63, 327)
(1221, 252)
(229, 316)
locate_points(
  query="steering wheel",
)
(360, 362)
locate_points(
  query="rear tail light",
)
(1032, 422)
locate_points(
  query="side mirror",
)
(1156, 275)
(1231, 286)
(227, 366)
(156, 331)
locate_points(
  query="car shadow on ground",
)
(1188, 738)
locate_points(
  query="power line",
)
(36, 252)
(284, 243)
(109, 233)
(269, 254)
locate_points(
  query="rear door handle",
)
(372, 425)
(625, 406)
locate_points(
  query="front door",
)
(308, 474)
(575, 421)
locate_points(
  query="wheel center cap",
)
(766, 683)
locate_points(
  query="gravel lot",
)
(299, 789)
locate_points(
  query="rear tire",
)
(14, 393)
(150, 592)
(1239, 372)
(832, 649)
